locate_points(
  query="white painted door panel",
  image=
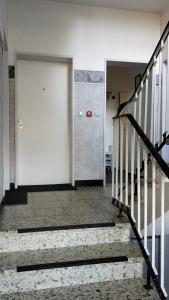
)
(43, 107)
(1, 129)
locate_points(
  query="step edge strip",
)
(65, 227)
(68, 264)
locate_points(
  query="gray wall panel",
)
(89, 132)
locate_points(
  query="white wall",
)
(3, 18)
(164, 18)
(4, 106)
(90, 34)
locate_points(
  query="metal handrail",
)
(147, 142)
(148, 67)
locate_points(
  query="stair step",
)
(13, 241)
(120, 289)
(69, 266)
(14, 282)
(47, 258)
(66, 227)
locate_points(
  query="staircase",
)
(94, 261)
(140, 134)
(103, 261)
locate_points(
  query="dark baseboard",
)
(1, 204)
(67, 264)
(19, 196)
(89, 183)
(14, 197)
(66, 227)
(46, 187)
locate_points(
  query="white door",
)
(1, 128)
(43, 123)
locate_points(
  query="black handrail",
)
(163, 143)
(148, 67)
(158, 148)
(147, 142)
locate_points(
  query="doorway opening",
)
(121, 81)
(44, 120)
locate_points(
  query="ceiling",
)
(155, 6)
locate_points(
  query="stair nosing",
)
(66, 227)
(67, 264)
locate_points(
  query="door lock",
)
(20, 123)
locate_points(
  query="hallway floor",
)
(85, 262)
(127, 289)
(86, 205)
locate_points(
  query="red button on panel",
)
(89, 114)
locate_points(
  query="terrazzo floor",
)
(128, 289)
(11, 260)
(85, 205)
(82, 206)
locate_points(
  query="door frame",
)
(116, 61)
(46, 58)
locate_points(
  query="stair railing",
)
(150, 66)
(158, 148)
(137, 127)
(149, 104)
(133, 146)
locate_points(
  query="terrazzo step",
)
(128, 289)
(12, 241)
(70, 274)
(48, 258)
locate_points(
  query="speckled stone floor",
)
(85, 205)
(11, 260)
(128, 289)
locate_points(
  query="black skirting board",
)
(89, 183)
(46, 187)
(19, 196)
(14, 197)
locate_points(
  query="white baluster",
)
(117, 157)
(138, 188)
(153, 100)
(167, 84)
(126, 179)
(140, 104)
(153, 213)
(138, 168)
(132, 164)
(162, 236)
(113, 158)
(159, 104)
(121, 160)
(145, 201)
(146, 102)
